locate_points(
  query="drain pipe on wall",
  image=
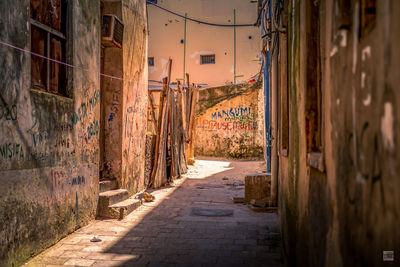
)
(184, 54)
(264, 17)
(274, 105)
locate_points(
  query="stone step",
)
(109, 198)
(107, 185)
(123, 208)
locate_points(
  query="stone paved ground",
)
(166, 233)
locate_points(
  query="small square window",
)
(207, 59)
(151, 61)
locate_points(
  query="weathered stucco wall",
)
(347, 214)
(135, 101)
(229, 122)
(112, 99)
(125, 102)
(48, 144)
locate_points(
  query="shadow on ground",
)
(191, 223)
(173, 234)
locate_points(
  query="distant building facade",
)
(209, 55)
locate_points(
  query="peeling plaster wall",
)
(229, 122)
(112, 99)
(135, 100)
(125, 102)
(348, 214)
(48, 145)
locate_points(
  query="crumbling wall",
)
(48, 143)
(228, 122)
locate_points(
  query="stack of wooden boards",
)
(174, 130)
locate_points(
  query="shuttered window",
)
(48, 39)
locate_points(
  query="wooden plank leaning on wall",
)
(159, 173)
(192, 99)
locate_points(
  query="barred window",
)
(48, 39)
(207, 59)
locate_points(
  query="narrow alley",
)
(191, 223)
(200, 133)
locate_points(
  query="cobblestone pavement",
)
(168, 232)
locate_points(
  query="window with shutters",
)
(48, 40)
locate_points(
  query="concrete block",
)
(257, 186)
(109, 198)
(123, 208)
(107, 185)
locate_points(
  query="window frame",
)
(207, 63)
(51, 32)
(313, 113)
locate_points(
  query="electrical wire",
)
(259, 13)
(199, 21)
(274, 41)
(77, 67)
(66, 64)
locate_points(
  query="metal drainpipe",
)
(267, 106)
(266, 96)
(274, 111)
(184, 54)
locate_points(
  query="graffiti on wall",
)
(93, 129)
(12, 151)
(231, 113)
(230, 119)
(45, 138)
(62, 185)
(114, 105)
(8, 113)
(63, 127)
(40, 138)
(85, 107)
(78, 180)
(227, 125)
